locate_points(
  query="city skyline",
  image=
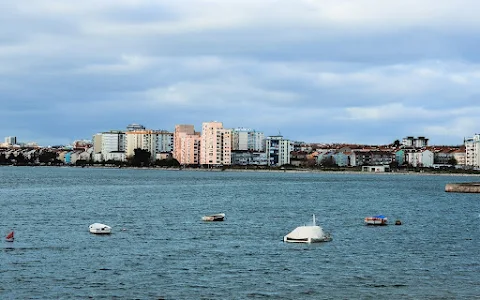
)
(365, 71)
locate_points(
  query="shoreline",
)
(297, 171)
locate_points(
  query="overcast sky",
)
(354, 71)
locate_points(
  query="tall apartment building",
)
(216, 144)
(472, 151)
(248, 139)
(186, 145)
(113, 141)
(11, 140)
(154, 141)
(278, 150)
(419, 142)
(97, 143)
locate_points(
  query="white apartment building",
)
(113, 141)
(278, 150)
(154, 141)
(10, 140)
(472, 151)
(419, 142)
(216, 144)
(163, 141)
(248, 139)
(424, 158)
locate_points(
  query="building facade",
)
(153, 141)
(186, 148)
(472, 149)
(411, 141)
(112, 141)
(278, 150)
(215, 145)
(10, 140)
(188, 151)
(248, 139)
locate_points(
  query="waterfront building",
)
(186, 148)
(422, 158)
(97, 143)
(460, 156)
(248, 139)
(472, 151)
(163, 140)
(114, 156)
(249, 158)
(324, 155)
(153, 141)
(112, 141)
(278, 150)
(189, 152)
(215, 145)
(442, 156)
(400, 157)
(342, 159)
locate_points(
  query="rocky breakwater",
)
(470, 187)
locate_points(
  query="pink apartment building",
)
(216, 144)
(187, 145)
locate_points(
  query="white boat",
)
(215, 217)
(100, 228)
(308, 234)
(376, 220)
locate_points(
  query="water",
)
(160, 248)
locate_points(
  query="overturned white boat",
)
(99, 228)
(307, 234)
(215, 217)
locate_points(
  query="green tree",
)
(171, 162)
(328, 161)
(452, 161)
(396, 143)
(141, 158)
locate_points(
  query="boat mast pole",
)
(314, 223)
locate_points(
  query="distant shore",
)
(272, 170)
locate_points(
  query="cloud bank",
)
(364, 71)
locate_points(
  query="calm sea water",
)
(160, 248)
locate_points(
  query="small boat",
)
(376, 220)
(215, 217)
(307, 234)
(99, 228)
(10, 237)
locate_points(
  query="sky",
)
(318, 71)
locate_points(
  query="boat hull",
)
(308, 240)
(98, 228)
(375, 221)
(214, 218)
